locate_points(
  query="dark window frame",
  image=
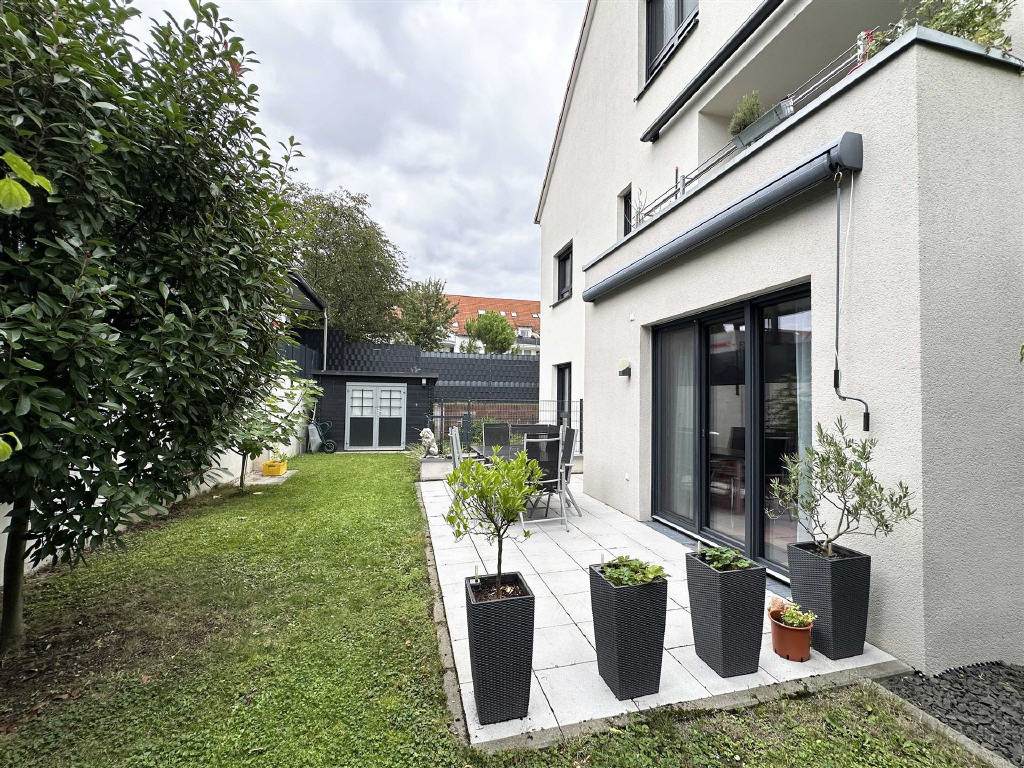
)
(752, 309)
(685, 22)
(626, 196)
(563, 273)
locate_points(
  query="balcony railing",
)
(835, 70)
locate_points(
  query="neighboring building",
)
(709, 267)
(522, 314)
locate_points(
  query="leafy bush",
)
(837, 474)
(141, 302)
(723, 558)
(628, 571)
(980, 21)
(490, 497)
(748, 110)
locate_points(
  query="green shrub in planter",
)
(832, 492)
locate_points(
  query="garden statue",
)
(428, 441)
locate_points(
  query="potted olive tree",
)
(726, 600)
(833, 493)
(629, 598)
(488, 498)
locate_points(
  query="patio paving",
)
(567, 689)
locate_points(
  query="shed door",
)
(375, 415)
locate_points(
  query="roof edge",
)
(566, 100)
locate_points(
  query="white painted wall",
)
(932, 311)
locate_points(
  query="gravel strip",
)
(985, 702)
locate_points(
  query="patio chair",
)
(455, 439)
(496, 435)
(568, 443)
(547, 452)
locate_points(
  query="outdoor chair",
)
(456, 442)
(568, 443)
(496, 435)
(547, 452)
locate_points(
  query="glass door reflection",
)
(726, 427)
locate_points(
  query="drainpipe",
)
(835, 371)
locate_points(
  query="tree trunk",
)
(241, 476)
(498, 580)
(12, 623)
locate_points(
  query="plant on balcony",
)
(628, 599)
(488, 498)
(726, 603)
(832, 492)
(980, 21)
(748, 110)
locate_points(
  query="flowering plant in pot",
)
(488, 498)
(628, 599)
(726, 599)
(791, 629)
(833, 493)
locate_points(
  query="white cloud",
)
(442, 112)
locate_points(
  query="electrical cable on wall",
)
(840, 283)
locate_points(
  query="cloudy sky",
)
(442, 112)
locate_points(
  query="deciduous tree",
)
(426, 314)
(492, 331)
(351, 263)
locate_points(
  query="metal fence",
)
(470, 416)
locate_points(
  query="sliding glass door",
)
(732, 396)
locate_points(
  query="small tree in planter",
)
(628, 599)
(488, 498)
(833, 493)
(726, 600)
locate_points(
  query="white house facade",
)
(874, 226)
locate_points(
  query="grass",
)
(292, 628)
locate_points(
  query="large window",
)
(732, 396)
(668, 22)
(563, 273)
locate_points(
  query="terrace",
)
(568, 696)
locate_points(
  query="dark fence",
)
(470, 416)
(308, 360)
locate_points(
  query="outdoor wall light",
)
(624, 368)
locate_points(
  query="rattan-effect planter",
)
(837, 590)
(629, 631)
(501, 651)
(726, 609)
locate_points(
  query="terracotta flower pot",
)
(793, 643)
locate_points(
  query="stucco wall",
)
(972, 326)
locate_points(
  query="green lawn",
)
(292, 628)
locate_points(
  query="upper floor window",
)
(626, 210)
(563, 272)
(668, 21)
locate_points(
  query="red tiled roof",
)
(470, 306)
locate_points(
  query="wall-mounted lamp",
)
(624, 368)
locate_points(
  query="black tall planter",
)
(726, 608)
(501, 651)
(837, 590)
(629, 631)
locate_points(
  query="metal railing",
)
(470, 416)
(835, 70)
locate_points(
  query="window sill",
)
(688, 26)
(559, 301)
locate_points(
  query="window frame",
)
(625, 208)
(563, 279)
(654, 63)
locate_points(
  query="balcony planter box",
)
(274, 468)
(793, 643)
(629, 631)
(501, 650)
(763, 124)
(837, 590)
(726, 609)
